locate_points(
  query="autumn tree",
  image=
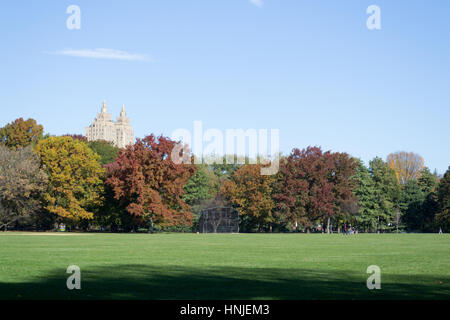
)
(407, 165)
(75, 178)
(341, 176)
(105, 149)
(22, 182)
(149, 185)
(313, 185)
(20, 133)
(251, 192)
(290, 192)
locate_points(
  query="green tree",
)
(201, 191)
(387, 193)
(427, 181)
(430, 208)
(105, 149)
(411, 203)
(225, 170)
(20, 133)
(442, 219)
(201, 186)
(444, 191)
(75, 178)
(368, 206)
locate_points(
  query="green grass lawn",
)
(224, 266)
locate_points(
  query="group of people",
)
(349, 230)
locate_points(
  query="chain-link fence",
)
(219, 220)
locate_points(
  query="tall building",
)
(103, 128)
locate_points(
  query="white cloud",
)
(103, 54)
(258, 3)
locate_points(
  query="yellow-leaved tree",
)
(75, 183)
(407, 165)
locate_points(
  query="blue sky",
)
(310, 68)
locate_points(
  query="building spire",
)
(104, 110)
(123, 113)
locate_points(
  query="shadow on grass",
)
(154, 282)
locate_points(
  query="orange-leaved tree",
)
(146, 182)
(251, 192)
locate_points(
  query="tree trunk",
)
(328, 225)
(378, 224)
(150, 228)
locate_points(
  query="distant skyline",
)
(309, 68)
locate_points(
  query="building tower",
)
(119, 133)
(124, 131)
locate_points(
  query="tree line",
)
(92, 185)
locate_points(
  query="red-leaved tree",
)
(149, 184)
(313, 185)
